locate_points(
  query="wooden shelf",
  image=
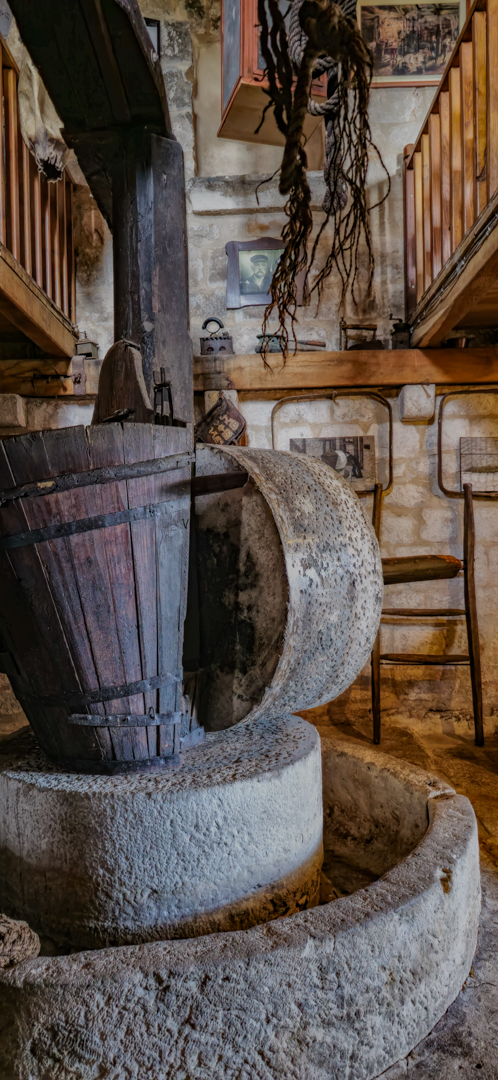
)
(313, 370)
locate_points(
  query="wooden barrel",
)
(94, 537)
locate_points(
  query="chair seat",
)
(420, 568)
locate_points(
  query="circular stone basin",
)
(338, 992)
(231, 839)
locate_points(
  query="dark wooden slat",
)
(427, 659)
(423, 613)
(64, 251)
(375, 657)
(56, 244)
(409, 221)
(420, 568)
(419, 222)
(71, 269)
(37, 228)
(3, 232)
(468, 140)
(27, 259)
(492, 109)
(47, 239)
(12, 157)
(471, 611)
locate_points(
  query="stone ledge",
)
(340, 992)
(237, 194)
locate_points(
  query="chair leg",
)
(471, 612)
(375, 665)
(375, 657)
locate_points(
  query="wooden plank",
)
(409, 230)
(419, 568)
(47, 238)
(435, 167)
(12, 161)
(468, 147)
(71, 253)
(444, 119)
(480, 98)
(425, 659)
(21, 377)
(375, 657)
(56, 244)
(471, 613)
(492, 109)
(27, 259)
(37, 228)
(419, 223)
(425, 613)
(24, 304)
(427, 217)
(445, 367)
(455, 157)
(3, 224)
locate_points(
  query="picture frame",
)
(351, 456)
(411, 42)
(251, 265)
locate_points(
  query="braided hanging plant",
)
(322, 37)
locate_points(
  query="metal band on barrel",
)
(108, 474)
(77, 700)
(101, 521)
(126, 720)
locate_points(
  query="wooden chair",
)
(433, 568)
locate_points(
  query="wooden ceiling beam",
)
(369, 367)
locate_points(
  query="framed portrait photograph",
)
(410, 43)
(251, 266)
(352, 456)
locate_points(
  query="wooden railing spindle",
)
(455, 157)
(435, 216)
(12, 157)
(3, 231)
(70, 252)
(56, 243)
(47, 236)
(480, 95)
(427, 217)
(492, 110)
(468, 161)
(27, 258)
(444, 122)
(64, 267)
(409, 219)
(419, 222)
(37, 228)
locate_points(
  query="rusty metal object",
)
(223, 424)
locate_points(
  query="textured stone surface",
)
(417, 402)
(336, 993)
(313, 572)
(232, 838)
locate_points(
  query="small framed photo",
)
(411, 43)
(352, 456)
(251, 266)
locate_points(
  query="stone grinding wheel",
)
(289, 587)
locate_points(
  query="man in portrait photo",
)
(260, 279)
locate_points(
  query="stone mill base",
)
(338, 992)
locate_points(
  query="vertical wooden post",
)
(47, 236)
(426, 181)
(409, 223)
(27, 257)
(455, 157)
(12, 157)
(419, 222)
(468, 152)
(480, 94)
(492, 110)
(435, 164)
(64, 253)
(3, 232)
(38, 227)
(471, 612)
(70, 252)
(444, 121)
(150, 263)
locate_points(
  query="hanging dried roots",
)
(329, 33)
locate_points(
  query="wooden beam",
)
(28, 308)
(376, 367)
(35, 378)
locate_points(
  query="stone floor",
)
(466, 1039)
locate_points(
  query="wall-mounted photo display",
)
(411, 43)
(479, 463)
(352, 456)
(251, 266)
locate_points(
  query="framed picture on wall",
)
(251, 266)
(352, 456)
(411, 43)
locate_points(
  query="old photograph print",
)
(410, 40)
(352, 456)
(256, 269)
(479, 463)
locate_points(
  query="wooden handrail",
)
(451, 171)
(36, 216)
